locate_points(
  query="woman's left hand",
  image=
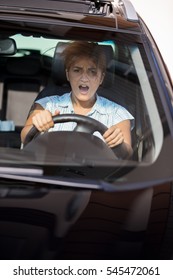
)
(118, 134)
(113, 136)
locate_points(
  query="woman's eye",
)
(76, 70)
(93, 72)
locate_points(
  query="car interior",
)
(30, 75)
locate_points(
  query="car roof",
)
(119, 15)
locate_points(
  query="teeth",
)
(84, 87)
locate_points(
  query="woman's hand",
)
(40, 118)
(113, 136)
(43, 120)
(119, 137)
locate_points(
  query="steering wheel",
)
(84, 124)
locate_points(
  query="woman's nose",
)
(84, 76)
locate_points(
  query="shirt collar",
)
(100, 104)
(65, 101)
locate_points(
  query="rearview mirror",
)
(7, 46)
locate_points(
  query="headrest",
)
(58, 70)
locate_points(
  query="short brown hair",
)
(77, 49)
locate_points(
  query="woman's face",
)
(85, 78)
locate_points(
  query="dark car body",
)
(65, 195)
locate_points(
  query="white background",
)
(105, 270)
(158, 16)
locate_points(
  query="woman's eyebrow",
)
(89, 68)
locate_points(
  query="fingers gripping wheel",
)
(84, 124)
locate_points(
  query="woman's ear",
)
(67, 76)
(102, 78)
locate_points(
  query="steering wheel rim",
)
(84, 124)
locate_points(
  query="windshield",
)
(126, 91)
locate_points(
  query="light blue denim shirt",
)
(107, 112)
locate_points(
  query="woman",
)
(85, 65)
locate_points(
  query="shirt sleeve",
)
(123, 114)
(47, 103)
(43, 102)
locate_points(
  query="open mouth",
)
(83, 89)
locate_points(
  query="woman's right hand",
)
(40, 118)
(43, 120)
